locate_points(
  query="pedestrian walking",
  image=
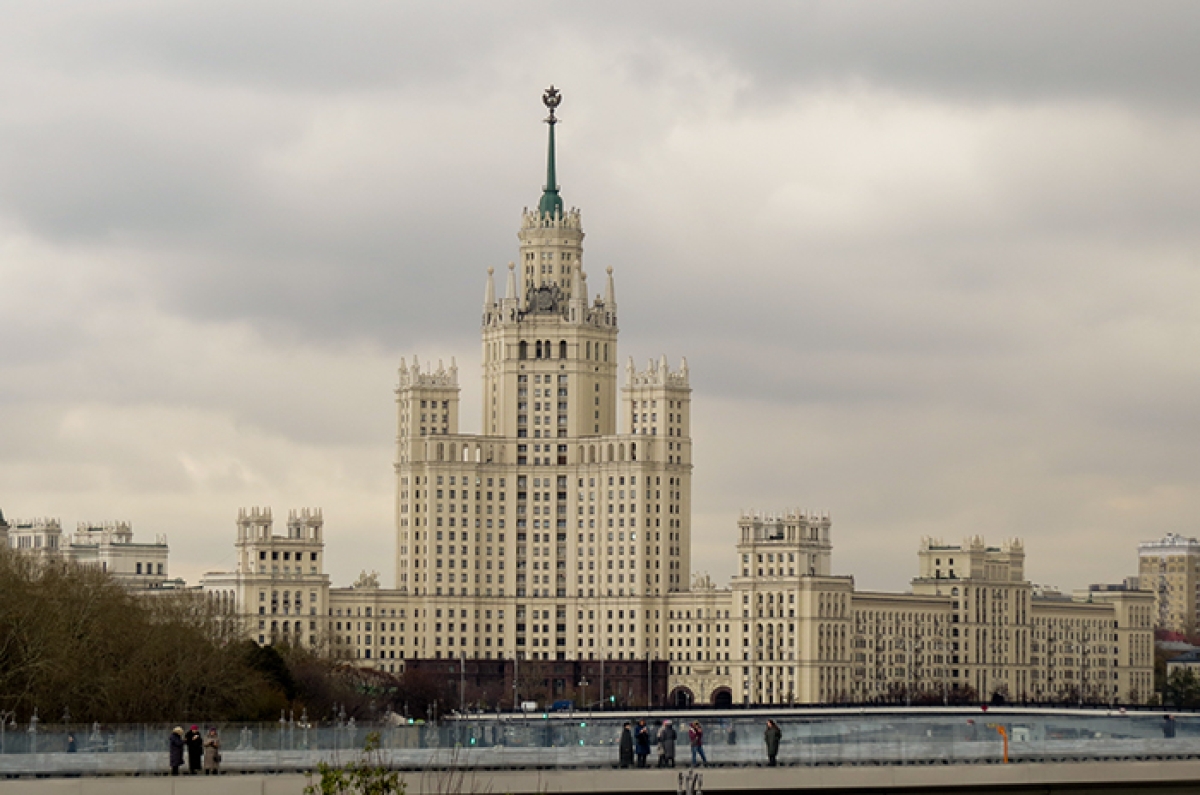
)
(1168, 726)
(175, 747)
(212, 752)
(641, 740)
(625, 746)
(71, 743)
(195, 749)
(696, 738)
(666, 744)
(772, 736)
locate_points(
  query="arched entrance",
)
(681, 697)
(722, 698)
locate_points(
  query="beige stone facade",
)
(1095, 646)
(279, 588)
(988, 629)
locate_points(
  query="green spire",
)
(551, 203)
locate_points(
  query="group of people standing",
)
(204, 752)
(201, 750)
(636, 741)
(634, 745)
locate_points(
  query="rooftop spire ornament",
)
(551, 98)
(551, 203)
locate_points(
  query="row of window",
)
(545, 349)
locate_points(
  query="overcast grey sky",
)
(934, 265)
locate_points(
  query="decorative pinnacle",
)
(551, 98)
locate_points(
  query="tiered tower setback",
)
(552, 501)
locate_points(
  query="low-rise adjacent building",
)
(109, 546)
(787, 630)
(1188, 661)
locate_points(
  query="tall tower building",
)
(555, 500)
(1170, 567)
(562, 531)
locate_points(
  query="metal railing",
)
(583, 740)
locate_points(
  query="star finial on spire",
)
(551, 98)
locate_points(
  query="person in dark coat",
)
(195, 749)
(1168, 726)
(772, 736)
(641, 739)
(666, 745)
(626, 746)
(175, 748)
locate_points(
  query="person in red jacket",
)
(696, 738)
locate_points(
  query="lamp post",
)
(649, 681)
(583, 684)
(339, 716)
(32, 730)
(902, 643)
(940, 645)
(602, 696)
(1081, 649)
(8, 719)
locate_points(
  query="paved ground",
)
(1110, 778)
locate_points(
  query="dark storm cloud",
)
(971, 50)
(185, 160)
(933, 265)
(271, 46)
(967, 51)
